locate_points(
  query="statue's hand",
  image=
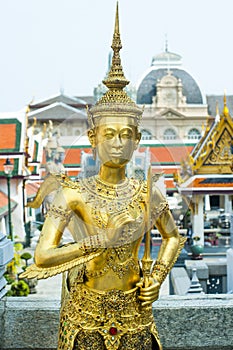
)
(150, 293)
(116, 222)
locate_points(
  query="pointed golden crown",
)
(115, 102)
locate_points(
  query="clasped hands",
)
(149, 292)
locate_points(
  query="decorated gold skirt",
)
(106, 320)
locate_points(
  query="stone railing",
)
(6, 255)
(184, 323)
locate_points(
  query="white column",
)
(227, 203)
(207, 202)
(230, 261)
(230, 270)
(3, 226)
(198, 218)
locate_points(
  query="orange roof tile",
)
(204, 183)
(7, 136)
(31, 189)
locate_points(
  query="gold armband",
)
(160, 271)
(92, 243)
(163, 207)
(59, 212)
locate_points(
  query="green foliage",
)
(26, 256)
(19, 289)
(9, 278)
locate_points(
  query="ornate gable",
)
(215, 155)
(170, 113)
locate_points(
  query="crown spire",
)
(115, 101)
(116, 78)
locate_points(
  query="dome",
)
(161, 63)
(166, 58)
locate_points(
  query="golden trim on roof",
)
(213, 153)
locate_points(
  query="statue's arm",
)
(170, 248)
(172, 241)
(48, 253)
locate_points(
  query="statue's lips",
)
(116, 155)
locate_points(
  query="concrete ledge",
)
(29, 323)
(184, 323)
(195, 323)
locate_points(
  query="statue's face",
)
(115, 141)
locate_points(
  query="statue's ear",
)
(91, 136)
(138, 138)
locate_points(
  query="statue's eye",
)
(109, 135)
(126, 135)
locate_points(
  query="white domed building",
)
(174, 105)
(174, 113)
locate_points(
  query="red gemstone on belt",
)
(113, 331)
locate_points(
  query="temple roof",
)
(57, 111)
(200, 184)
(209, 168)
(61, 97)
(213, 152)
(12, 140)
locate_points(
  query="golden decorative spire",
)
(116, 78)
(225, 108)
(115, 101)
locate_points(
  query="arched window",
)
(194, 134)
(169, 134)
(77, 132)
(146, 135)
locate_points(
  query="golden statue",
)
(107, 292)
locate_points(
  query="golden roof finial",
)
(225, 108)
(217, 108)
(116, 78)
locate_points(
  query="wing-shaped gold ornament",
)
(33, 271)
(51, 183)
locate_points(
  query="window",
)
(169, 134)
(194, 134)
(77, 132)
(146, 135)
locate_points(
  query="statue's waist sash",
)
(111, 313)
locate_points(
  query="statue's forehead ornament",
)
(115, 102)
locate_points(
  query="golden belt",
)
(110, 313)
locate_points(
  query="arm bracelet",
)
(160, 271)
(59, 212)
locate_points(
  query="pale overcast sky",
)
(47, 45)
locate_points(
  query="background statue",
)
(107, 292)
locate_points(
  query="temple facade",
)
(207, 173)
